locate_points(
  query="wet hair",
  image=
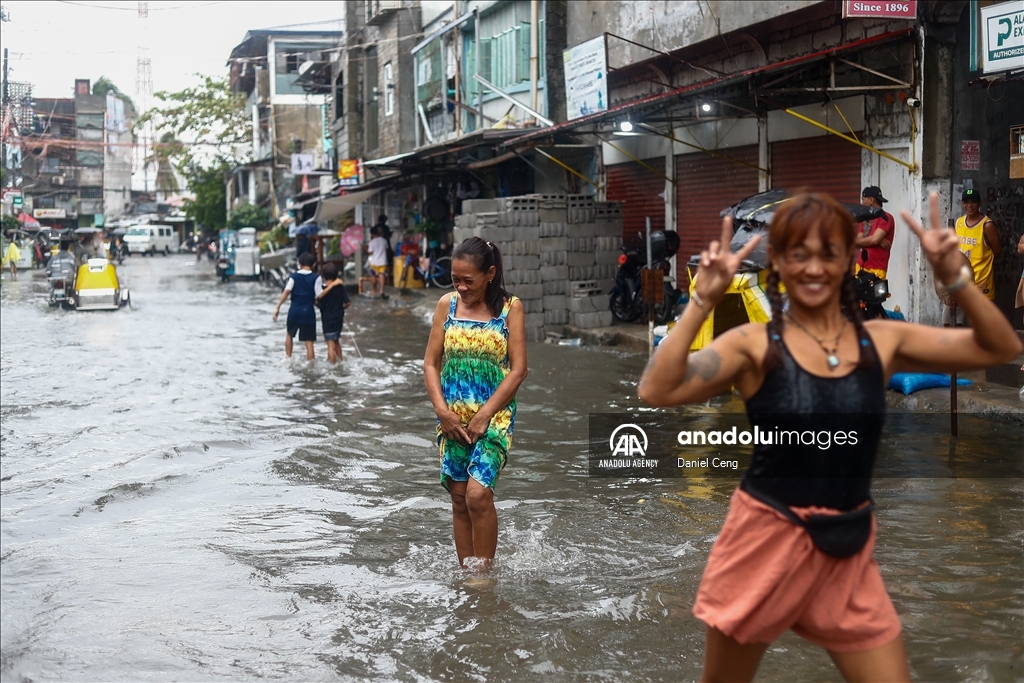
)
(375, 230)
(792, 223)
(307, 259)
(483, 255)
(329, 271)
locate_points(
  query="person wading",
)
(474, 364)
(796, 550)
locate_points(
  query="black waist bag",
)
(841, 536)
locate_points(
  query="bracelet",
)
(696, 299)
(959, 283)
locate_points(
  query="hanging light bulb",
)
(626, 126)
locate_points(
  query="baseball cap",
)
(971, 196)
(875, 192)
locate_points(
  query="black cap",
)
(971, 196)
(875, 192)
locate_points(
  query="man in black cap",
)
(876, 236)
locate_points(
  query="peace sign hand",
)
(941, 245)
(718, 266)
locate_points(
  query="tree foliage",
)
(104, 85)
(250, 216)
(208, 115)
(208, 209)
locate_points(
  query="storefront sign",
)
(348, 172)
(586, 78)
(302, 164)
(970, 155)
(1002, 35)
(880, 10)
(10, 196)
(50, 213)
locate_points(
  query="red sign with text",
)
(970, 155)
(880, 9)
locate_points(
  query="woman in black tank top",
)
(816, 365)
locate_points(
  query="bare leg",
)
(337, 349)
(330, 351)
(726, 660)
(461, 523)
(480, 502)
(885, 664)
(287, 346)
(309, 351)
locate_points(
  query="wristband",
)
(696, 299)
(959, 283)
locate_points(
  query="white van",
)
(150, 239)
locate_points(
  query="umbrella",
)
(86, 231)
(351, 240)
(753, 215)
(118, 232)
(27, 220)
(307, 229)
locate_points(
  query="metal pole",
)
(952, 389)
(650, 306)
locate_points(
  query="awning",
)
(384, 161)
(332, 207)
(441, 31)
(695, 88)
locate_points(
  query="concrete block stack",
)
(560, 254)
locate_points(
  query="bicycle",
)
(438, 271)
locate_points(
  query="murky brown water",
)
(179, 503)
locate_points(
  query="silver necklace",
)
(831, 357)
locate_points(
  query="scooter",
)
(626, 296)
(872, 291)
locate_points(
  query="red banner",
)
(879, 9)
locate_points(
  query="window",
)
(389, 90)
(1017, 152)
(51, 165)
(339, 96)
(92, 193)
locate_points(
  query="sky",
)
(53, 43)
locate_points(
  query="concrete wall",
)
(665, 25)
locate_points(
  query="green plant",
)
(249, 216)
(334, 246)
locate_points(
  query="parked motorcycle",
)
(872, 291)
(626, 299)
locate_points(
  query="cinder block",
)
(581, 272)
(552, 287)
(584, 244)
(553, 258)
(591, 320)
(526, 233)
(495, 234)
(554, 302)
(535, 334)
(556, 316)
(580, 230)
(552, 215)
(480, 206)
(525, 262)
(521, 247)
(580, 258)
(554, 243)
(606, 257)
(553, 229)
(534, 320)
(529, 291)
(531, 305)
(548, 273)
(608, 229)
(587, 304)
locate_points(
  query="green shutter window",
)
(485, 59)
(523, 31)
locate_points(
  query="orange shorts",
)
(765, 575)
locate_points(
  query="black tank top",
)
(812, 423)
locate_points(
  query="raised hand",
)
(718, 266)
(940, 244)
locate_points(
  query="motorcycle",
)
(872, 291)
(626, 296)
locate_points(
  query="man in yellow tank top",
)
(979, 241)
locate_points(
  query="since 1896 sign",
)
(880, 9)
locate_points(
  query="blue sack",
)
(909, 382)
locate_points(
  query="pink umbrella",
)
(28, 221)
(351, 240)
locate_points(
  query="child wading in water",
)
(332, 300)
(303, 286)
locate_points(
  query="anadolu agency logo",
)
(628, 447)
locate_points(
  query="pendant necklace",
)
(832, 358)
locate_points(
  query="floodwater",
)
(180, 503)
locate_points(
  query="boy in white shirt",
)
(378, 260)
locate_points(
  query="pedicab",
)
(745, 299)
(239, 254)
(97, 287)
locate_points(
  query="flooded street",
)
(181, 503)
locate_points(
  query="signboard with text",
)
(1002, 36)
(348, 172)
(880, 9)
(302, 164)
(586, 78)
(970, 155)
(50, 213)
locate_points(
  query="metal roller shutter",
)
(823, 164)
(705, 185)
(639, 189)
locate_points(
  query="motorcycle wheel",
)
(663, 311)
(622, 308)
